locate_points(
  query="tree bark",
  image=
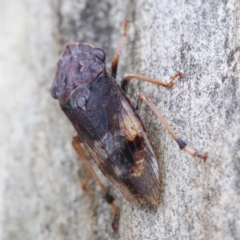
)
(41, 195)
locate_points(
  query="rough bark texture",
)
(41, 197)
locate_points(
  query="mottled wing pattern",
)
(115, 137)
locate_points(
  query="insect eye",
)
(99, 53)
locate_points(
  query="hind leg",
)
(80, 151)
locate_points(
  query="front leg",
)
(119, 49)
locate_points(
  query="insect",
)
(108, 125)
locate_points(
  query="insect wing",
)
(113, 134)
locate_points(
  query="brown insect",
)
(108, 125)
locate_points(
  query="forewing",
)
(124, 153)
(115, 137)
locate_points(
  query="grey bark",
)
(40, 180)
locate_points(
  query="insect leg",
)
(120, 46)
(78, 148)
(129, 76)
(85, 182)
(182, 144)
